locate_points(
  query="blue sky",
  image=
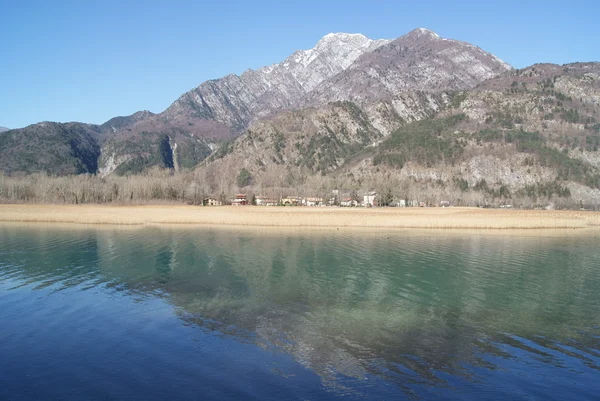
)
(90, 61)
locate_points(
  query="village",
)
(337, 199)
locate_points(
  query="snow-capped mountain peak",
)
(340, 66)
(276, 87)
(337, 48)
(425, 31)
(342, 37)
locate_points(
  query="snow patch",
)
(425, 31)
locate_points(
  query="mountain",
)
(70, 148)
(418, 117)
(340, 67)
(219, 110)
(419, 60)
(3, 129)
(529, 134)
(133, 150)
(394, 82)
(117, 146)
(235, 101)
(320, 139)
(124, 122)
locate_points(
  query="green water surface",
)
(385, 315)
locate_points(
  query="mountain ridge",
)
(272, 88)
(219, 110)
(417, 117)
(349, 48)
(419, 60)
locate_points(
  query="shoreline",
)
(302, 217)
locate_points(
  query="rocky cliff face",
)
(320, 140)
(528, 134)
(132, 153)
(316, 139)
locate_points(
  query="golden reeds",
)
(431, 218)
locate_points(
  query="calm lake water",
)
(221, 314)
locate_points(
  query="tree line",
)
(167, 186)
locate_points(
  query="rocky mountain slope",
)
(340, 67)
(235, 101)
(526, 134)
(125, 122)
(419, 60)
(219, 110)
(395, 82)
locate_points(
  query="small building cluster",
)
(337, 199)
(264, 201)
(240, 200)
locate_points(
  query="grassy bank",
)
(461, 218)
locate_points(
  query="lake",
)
(181, 313)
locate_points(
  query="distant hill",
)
(50, 147)
(75, 148)
(124, 122)
(2, 129)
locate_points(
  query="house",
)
(312, 201)
(349, 202)
(290, 201)
(445, 204)
(240, 200)
(265, 201)
(210, 201)
(369, 199)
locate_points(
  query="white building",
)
(348, 202)
(313, 201)
(369, 199)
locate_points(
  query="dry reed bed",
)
(461, 218)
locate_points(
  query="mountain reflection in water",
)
(420, 314)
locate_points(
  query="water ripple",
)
(414, 312)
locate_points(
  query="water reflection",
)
(409, 309)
